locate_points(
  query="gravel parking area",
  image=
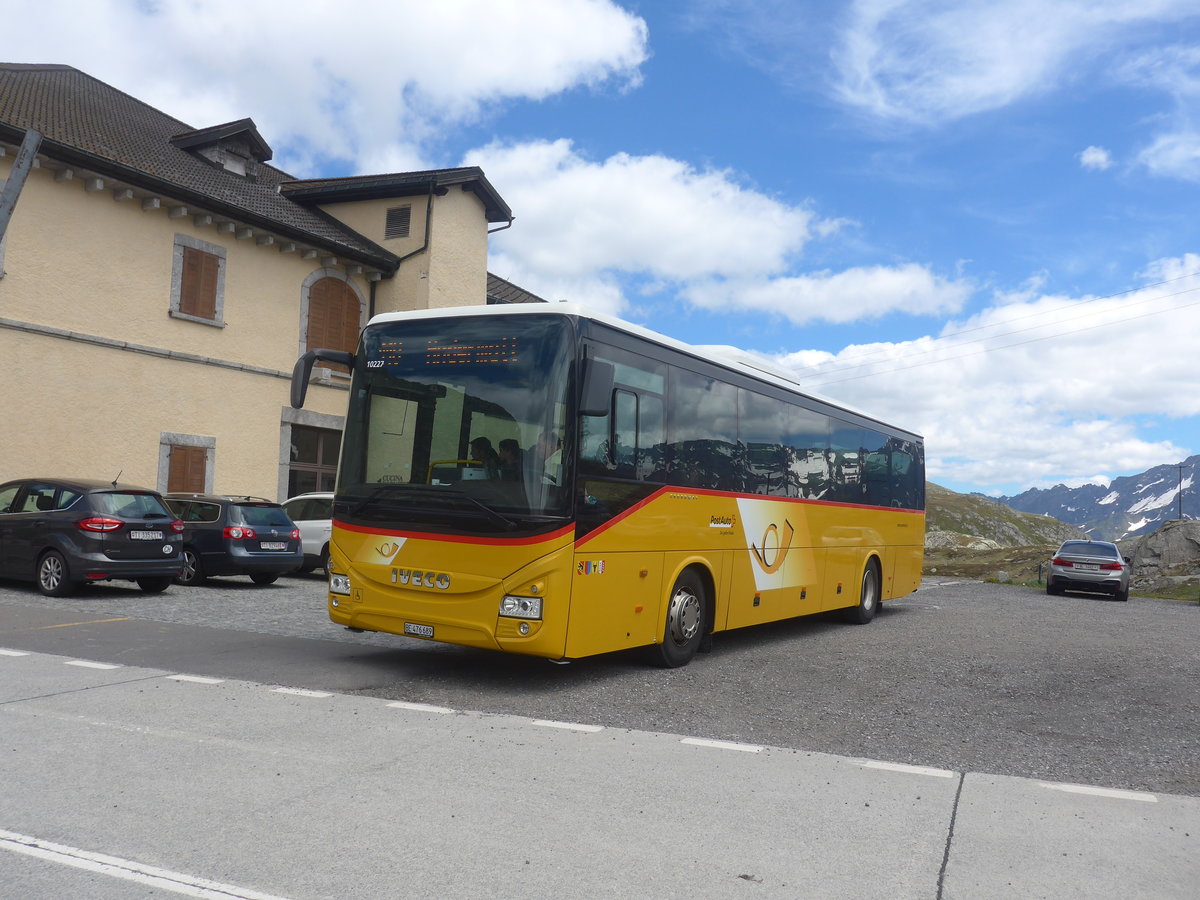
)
(963, 675)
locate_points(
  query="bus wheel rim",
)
(683, 616)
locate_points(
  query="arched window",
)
(334, 317)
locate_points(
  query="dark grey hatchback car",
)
(64, 532)
(230, 535)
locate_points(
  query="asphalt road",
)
(964, 676)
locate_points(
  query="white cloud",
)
(1032, 392)
(1096, 159)
(361, 82)
(584, 222)
(864, 292)
(928, 61)
(1175, 155)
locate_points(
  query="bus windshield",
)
(456, 425)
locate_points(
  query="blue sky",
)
(974, 219)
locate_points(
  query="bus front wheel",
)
(868, 597)
(687, 611)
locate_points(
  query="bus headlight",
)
(339, 584)
(514, 607)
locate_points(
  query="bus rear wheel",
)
(687, 613)
(868, 596)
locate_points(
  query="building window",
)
(399, 220)
(185, 463)
(198, 281)
(333, 318)
(314, 456)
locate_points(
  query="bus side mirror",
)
(302, 371)
(596, 396)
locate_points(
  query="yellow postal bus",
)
(543, 480)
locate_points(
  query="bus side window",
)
(623, 445)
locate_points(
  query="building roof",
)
(501, 291)
(91, 125)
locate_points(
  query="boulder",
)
(1173, 550)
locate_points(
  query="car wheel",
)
(687, 614)
(323, 565)
(868, 596)
(1123, 596)
(154, 585)
(53, 577)
(1053, 590)
(192, 571)
(264, 577)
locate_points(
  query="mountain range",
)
(1129, 506)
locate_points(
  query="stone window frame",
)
(182, 241)
(305, 291)
(169, 439)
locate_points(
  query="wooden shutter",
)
(333, 317)
(185, 471)
(198, 286)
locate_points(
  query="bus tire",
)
(868, 596)
(687, 614)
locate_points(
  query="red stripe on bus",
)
(705, 492)
(459, 539)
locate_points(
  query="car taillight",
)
(239, 533)
(295, 534)
(177, 527)
(1112, 567)
(1059, 561)
(99, 523)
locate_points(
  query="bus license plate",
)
(146, 535)
(274, 545)
(418, 630)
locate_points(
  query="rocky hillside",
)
(968, 536)
(972, 521)
(1127, 507)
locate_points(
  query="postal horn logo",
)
(387, 549)
(775, 545)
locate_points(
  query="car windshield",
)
(457, 424)
(1088, 548)
(130, 505)
(262, 514)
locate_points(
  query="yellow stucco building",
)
(157, 283)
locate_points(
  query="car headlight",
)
(515, 607)
(339, 584)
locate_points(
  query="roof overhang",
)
(405, 184)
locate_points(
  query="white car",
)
(313, 515)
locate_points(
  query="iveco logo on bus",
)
(419, 579)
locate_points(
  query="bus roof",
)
(577, 310)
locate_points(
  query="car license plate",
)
(274, 545)
(145, 535)
(1088, 567)
(418, 630)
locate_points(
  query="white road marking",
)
(569, 726)
(912, 770)
(1111, 793)
(116, 867)
(196, 679)
(301, 692)
(723, 745)
(87, 664)
(4, 652)
(420, 707)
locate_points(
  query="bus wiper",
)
(498, 516)
(376, 494)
